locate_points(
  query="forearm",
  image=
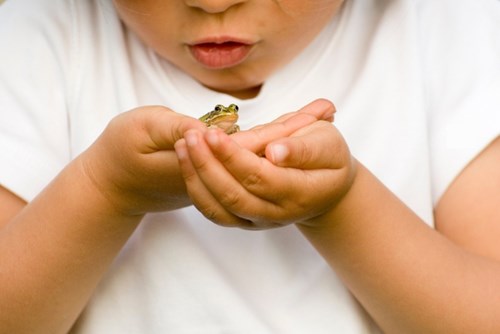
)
(54, 252)
(410, 278)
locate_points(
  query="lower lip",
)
(220, 55)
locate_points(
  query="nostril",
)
(213, 6)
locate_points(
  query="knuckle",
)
(190, 178)
(250, 181)
(209, 213)
(304, 154)
(212, 213)
(202, 166)
(220, 217)
(230, 199)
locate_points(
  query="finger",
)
(257, 175)
(268, 195)
(255, 140)
(166, 127)
(322, 109)
(319, 147)
(221, 185)
(280, 190)
(287, 194)
(201, 197)
(243, 189)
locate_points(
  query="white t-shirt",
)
(416, 85)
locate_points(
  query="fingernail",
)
(330, 108)
(191, 138)
(180, 149)
(279, 153)
(329, 113)
(212, 137)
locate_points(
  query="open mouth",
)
(220, 55)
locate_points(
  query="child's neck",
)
(244, 94)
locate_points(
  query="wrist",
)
(107, 198)
(342, 195)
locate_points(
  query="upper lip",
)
(222, 40)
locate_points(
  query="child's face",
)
(230, 46)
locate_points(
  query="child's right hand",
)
(133, 163)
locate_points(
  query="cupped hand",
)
(134, 164)
(284, 172)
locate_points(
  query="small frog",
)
(222, 118)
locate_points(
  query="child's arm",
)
(54, 250)
(409, 277)
(468, 212)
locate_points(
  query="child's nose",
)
(213, 6)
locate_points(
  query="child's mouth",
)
(220, 55)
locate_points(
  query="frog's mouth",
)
(226, 124)
(220, 55)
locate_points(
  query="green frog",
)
(222, 118)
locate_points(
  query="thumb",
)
(321, 147)
(322, 109)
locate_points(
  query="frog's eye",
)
(218, 107)
(234, 107)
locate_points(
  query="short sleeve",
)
(34, 67)
(461, 58)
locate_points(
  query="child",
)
(108, 179)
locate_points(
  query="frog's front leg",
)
(233, 129)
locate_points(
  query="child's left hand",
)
(257, 180)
